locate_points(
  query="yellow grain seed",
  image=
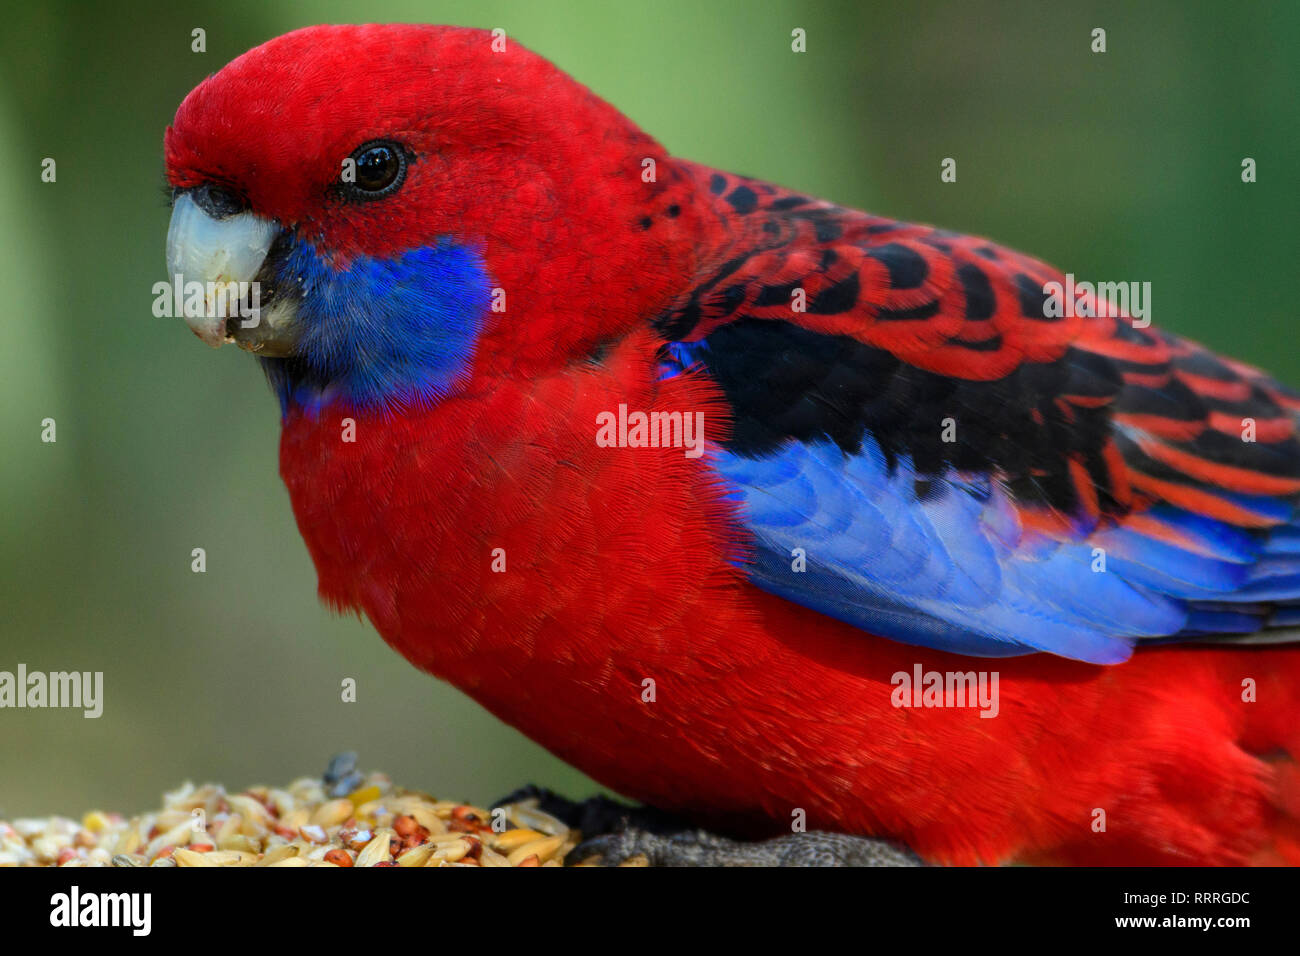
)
(46, 848)
(291, 861)
(271, 857)
(490, 857)
(295, 819)
(305, 787)
(441, 839)
(228, 827)
(525, 815)
(363, 795)
(416, 855)
(240, 842)
(128, 842)
(252, 811)
(331, 814)
(283, 802)
(185, 857)
(169, 819)
(428, 818)
(451, 852)
(507, 841)
(178, 835)
(179, 796)
(544, 849)
(376, 851)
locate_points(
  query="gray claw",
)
(700, 848)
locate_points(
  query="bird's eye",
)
(378, 170)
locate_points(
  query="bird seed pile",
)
(305, 824)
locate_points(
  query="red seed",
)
(357, 839)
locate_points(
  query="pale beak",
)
(220, 264)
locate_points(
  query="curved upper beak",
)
(220, 265)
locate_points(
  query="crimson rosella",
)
(691, 478)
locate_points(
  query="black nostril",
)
(218, 201)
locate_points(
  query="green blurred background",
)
(1121, 166)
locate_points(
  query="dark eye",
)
(380, 169)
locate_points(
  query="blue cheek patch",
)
(383, 333)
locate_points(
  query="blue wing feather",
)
(952, 569)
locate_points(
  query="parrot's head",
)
(411, 206)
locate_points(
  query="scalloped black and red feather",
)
(937, 350)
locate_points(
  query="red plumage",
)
(623, 566)
(762, 705)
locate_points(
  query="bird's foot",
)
(629, 847)
(622, 835)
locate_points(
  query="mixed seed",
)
(312, 822)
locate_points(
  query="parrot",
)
(779, 516)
